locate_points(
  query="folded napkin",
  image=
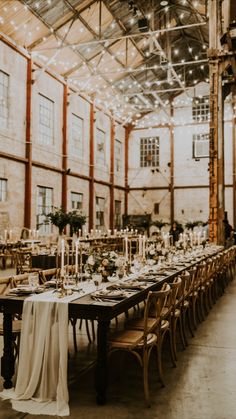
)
(41, 386)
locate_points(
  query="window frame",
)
(3, 191)
(100, 214)
(42, 135)
(201, 109)
(4, 119)
(149, 146)
(43, 227)
(77, 144)
(100, 157)
(118, 159)
(198, 137)
(78, 194)
(117, 215)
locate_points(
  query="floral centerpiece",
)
(101, 262)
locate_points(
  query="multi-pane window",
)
(44, 206)
(77, 125)
(118, 214)
(201, 109)
(100, 146)
(4, 94)
(100, 209)
(46, 120)
(118, 155)
(200, 145)
(149, 152)
(76, 201)
(3, 190)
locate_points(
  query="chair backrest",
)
(155, 303)
(175, 291)
(20, 279)
(5, 284)
(48, 274)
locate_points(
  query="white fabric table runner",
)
(41, 385)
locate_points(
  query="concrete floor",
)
(203, 386)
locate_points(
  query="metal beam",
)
(102, 41)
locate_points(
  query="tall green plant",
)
(59, 218)
(76, 220)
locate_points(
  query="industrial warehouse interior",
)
(117, 209)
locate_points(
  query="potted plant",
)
(159, 224)
(190, 225)
(59, 218)
(76, 220)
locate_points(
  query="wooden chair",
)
(6, 283)
(48, 274)
(138, 324)
(141, 342)
(177, 295)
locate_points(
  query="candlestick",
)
(62, 256)
(140, 241)
(126, 248)
(76, 255)
(144, 247)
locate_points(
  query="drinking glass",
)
(33, 280)
(97, 280)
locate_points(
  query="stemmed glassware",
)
(97, 280)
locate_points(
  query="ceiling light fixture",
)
(164, 3)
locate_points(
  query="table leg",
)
(7, 361)
(101, 371)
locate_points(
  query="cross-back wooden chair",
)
(140, 341)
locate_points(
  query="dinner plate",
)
(116, 294)
(133, 285)
(22, 291)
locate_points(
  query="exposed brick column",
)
(28, 149)
(91, 168)
(112, 151)
(64, 151)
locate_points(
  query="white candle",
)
(126, 249)
(37, 233)
(29, 233)
(76, 255)
(191, 238)
(204, 235)
(79, 232)
(62, 256)
(10, 234)
(115, 232)
(198, 238)
(140, 241)
(5, 235)
(144, 247)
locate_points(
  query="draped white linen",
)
(41, 386)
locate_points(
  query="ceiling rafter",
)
(75, 51)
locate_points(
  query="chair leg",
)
(189, 321)
(159, 362)
(145, 378)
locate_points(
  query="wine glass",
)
(33, 280)
(97, 280)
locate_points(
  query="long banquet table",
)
(86, 308)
